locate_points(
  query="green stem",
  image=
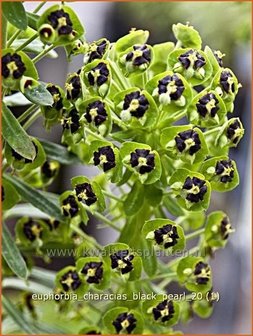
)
(32, 38)
(160, 276)
(32, 119)
(27, 113)
(120, 77)
(39, 7)
(108, 194)
(213, 130)
(13, 38)
(95, 135)
(102, 218)
(42, 54)
(195, 234)
(87, 237)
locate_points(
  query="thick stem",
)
(13, 38)
(27, 112)
(32, 119)
(120, 77)
(42, 54)
(27, 42)
(39, 7)
(195, 234)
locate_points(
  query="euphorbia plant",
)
(119, 112)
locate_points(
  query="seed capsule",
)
(125, 322)
(104, 156)
(143, 160)
(164, 311)
(94, 272)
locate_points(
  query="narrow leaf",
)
(39, 95)
(59, 153)
(17, 317)
(16, 136)
(37, 198)
(15, 14)
(12, 255)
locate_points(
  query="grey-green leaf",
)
(15, 14)
(12, 255)
(16, 136)
(37, 198)
(17, 317)
(59, 153)
(39, 95)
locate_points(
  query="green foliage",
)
(119, 112)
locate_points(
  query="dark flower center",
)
(55, 92)
(218, 55)
(225, 169)
(104, 156)
(225, 228)
(188, 141)
(32, 230)
(122, 261)
(143, 160)
(96, 51)
(192, 58)
(207, 105)
(96, 113)
(53, 224)
(196, 189)
(202, 273)
(71, 121)
(20, 157)
(136, 103)
(60, 20)
(171, 85)
(12, 66)
(99, 74)
(73, 87)
(234, 132)
(125, 322)
(164, 311)
(94, 272)
(227, 82)
(49, 169)
(70, 281)
(85, 193)
(70, 206)
(140, 55)
(166, 236)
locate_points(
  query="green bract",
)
(142, 161)
(165, 234)
(59, 25)
(195, 274)
(191, 189)
(15, 65)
